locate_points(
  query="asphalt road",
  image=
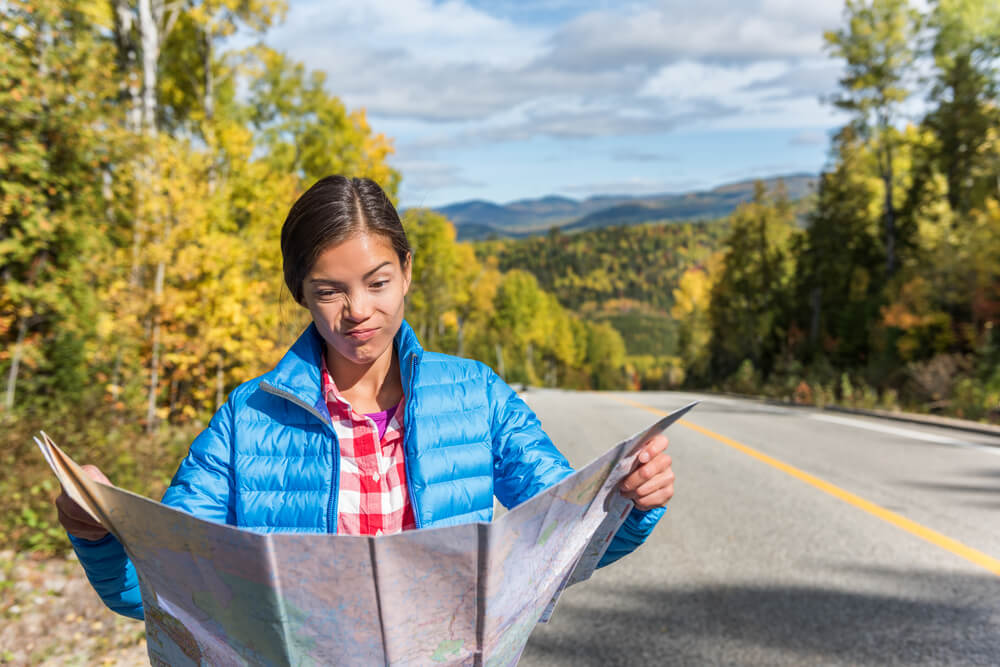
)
(759, 563)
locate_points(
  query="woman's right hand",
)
(74, 518)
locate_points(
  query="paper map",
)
(465, 595)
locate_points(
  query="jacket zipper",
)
(331, 506)
(407, 439)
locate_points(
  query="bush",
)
(131, 459)
(746, 379)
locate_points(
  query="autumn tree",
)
(841, 258)
(965, 52)
(691, 311)
(750, 301)
(878, 47)
(53, 141)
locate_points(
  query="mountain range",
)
(478, 219)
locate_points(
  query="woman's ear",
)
(407, 272)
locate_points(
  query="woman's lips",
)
(361, 334)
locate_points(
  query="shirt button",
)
(375, 477)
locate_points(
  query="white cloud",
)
(449, 62)
(448, 75)
(431, 34)
(809, 138)
(690, 80)
(707, 29)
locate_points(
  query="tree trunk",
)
(149, 31)
(15, 364)
(172, 393)
(150, 38)
(219, 383)
(154, 362)
(890, 228)
(208, 102)
(815, 299)
(22, 331)
(127, 57)
(890, 209)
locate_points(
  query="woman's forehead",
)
(355, 257)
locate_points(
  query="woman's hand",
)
(652, 483)
(74, 518)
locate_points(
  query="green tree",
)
(750, 302)
(437, 269)
(878, 48)
(308, 132)
(605, 356)
(965, 51)
(692, 301)
(839, 280)
(53, 140)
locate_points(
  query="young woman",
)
(358, 430)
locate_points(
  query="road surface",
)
(796, 537)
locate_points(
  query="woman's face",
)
(355, 293)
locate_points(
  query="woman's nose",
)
(359, 306)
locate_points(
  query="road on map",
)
(795, 537)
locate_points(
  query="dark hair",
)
(333, 210)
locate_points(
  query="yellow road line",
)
(954, 546)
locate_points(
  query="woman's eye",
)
(380, 284)
(327, 293)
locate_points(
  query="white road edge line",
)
(906, 433)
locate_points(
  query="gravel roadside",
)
(50, 615)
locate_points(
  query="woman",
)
(358, 430)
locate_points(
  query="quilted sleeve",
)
(637, 527)
(526, 463)
(110, 573)
(202, 486)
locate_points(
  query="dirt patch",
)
(50, 615)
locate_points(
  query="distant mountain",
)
(479, 219)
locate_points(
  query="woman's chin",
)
(361, 354)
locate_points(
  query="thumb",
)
(95, 474)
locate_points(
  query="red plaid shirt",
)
(373, 498)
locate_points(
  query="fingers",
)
(76, 520)
(95, 474)
(654, 446)
(652, 483)
(660, 481)
(646, 472)
(86, 530)
(70, 509)
(657, 499)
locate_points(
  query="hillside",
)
(623, 275)
(479, 219)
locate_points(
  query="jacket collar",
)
(298, 372)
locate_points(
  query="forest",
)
(146, 167)
(880, 290)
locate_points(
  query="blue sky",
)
(511, 99)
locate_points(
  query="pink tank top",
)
(381, 420)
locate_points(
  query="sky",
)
(509, 99)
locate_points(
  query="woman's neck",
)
(370, 387)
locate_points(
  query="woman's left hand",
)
(652, 483)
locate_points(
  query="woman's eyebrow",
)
(377, 268)
(327, 281)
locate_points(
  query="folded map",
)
(466, 594)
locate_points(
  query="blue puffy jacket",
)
(268, 460)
